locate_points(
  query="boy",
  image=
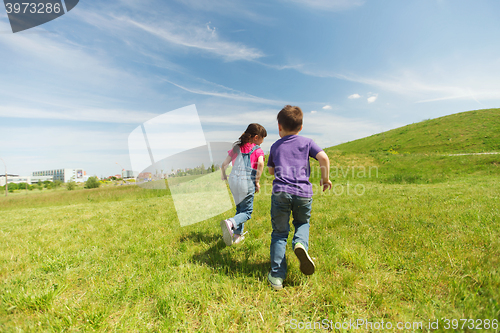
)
(292, 192)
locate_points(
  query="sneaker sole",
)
(306, 264)
(226, 233)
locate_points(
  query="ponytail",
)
(251, 131)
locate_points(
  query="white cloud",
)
(469, 83)
(232, 94)
(372, 98)
(314, 111)
(266, 118)
(85, 114)
(281, 67)
(330, 5)
(200, 37)
(327, 107)
(49, 72)
(49, 52)
(230, 8)
(177, 30)
(354, 96)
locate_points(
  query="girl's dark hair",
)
(252, 130)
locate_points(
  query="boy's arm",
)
(260, 168)
(224, 166)
(324, 165)
(269, 163)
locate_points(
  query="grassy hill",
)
(424, 152)
(466, 132)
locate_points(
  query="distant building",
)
(16, 179)
(144, 176)
(128, 174)
(64, 175)
(9, 177)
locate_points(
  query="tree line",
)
(199, 170)
(92, 182)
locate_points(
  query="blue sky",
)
(73, 89)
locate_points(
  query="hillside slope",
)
(466, 132)
(421, 152)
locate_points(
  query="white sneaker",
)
(227, 232)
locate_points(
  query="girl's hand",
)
(257, 187)
(223, 176)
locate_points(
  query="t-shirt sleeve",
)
(232, 154)
(314, 149)
(259, 152)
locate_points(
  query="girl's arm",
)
(260, 168)
(224, 167)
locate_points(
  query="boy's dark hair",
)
(252, 130)
(290, 118)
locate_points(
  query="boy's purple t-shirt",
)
(289, 157)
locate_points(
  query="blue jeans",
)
(282, 204)
(245, 208)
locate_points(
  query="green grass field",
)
(404, 238)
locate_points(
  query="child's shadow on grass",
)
(200, 237)
(239, 258)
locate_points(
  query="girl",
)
(248, 163)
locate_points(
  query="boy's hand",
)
(324, 165)
(326, 184)
(257, 187)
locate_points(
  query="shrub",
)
(92, 182)
(70, 185)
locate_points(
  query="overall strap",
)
(254, 149)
